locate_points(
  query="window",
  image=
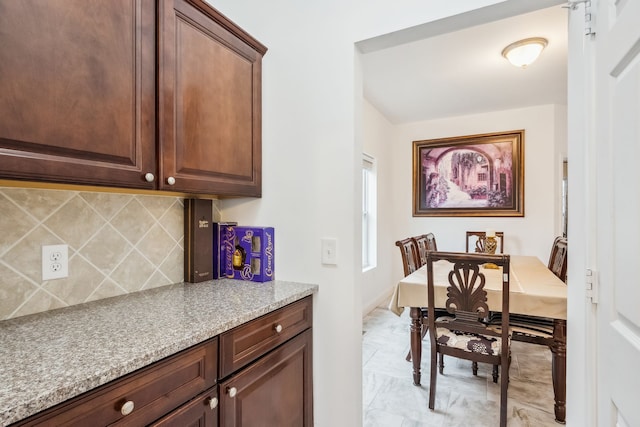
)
(368, 212)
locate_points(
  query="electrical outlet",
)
(55, 262)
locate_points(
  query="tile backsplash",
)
(118, 243)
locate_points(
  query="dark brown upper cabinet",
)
(149, 94)
(77, 91)
(209, 101)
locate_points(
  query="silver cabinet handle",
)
(149, 177)
(232, 391)
(212, 402)
(278, 328)
(171, 180)
(127, 407)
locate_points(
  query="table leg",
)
(416, 342)
(559, 368)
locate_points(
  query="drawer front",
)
(148, 394)
(244, 344)
(201, 411)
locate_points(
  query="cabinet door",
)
(201, 411)
(273, 391)
(77, 91)
(209, 102)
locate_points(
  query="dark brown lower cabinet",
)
(201, 411)
(276, 390)
(258, 374)
(142, 396)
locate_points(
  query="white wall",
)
(312, 147)
(378, 141)
(544, 143)
(545, 149)
(309, 181)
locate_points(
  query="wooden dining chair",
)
(462, 334)
(424, 243)
(558, 258)
(431, 242)
(478, 239)
(534, 329)
(410, 263)
(409, 252)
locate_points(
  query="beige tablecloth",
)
(534, 289)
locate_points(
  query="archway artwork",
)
(476, 175)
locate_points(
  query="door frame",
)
(581, 313)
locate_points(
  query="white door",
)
(616, 134)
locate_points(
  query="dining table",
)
(534, 291)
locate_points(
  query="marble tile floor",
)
(391, 400)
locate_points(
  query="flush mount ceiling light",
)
(524, 52)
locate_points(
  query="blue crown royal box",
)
(253, 254)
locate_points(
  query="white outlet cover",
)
(55, 262)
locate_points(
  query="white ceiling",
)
(454, 73)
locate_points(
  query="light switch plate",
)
(329, 251)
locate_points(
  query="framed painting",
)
(475, 175)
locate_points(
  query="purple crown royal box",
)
(223, 245)
(253, 254)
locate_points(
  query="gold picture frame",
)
(473, 175)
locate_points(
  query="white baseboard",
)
(381, 301)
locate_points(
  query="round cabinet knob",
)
(212, 402)
(232, 391)
(127, 407)
(149, 177)
(171, 180)
(278, 328)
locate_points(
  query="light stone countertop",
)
(49, 357)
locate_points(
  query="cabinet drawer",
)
(153, 391)
(244, 344)
(202, 411)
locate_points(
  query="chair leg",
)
(474, 368)
(433, 378)
(494, 374)
(441, 363)
(425, 329)
(504, 384)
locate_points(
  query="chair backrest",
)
(424, 243)
(466, 293)
(478, 237)
(558, 258)
(431, 242)
(409, 252)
